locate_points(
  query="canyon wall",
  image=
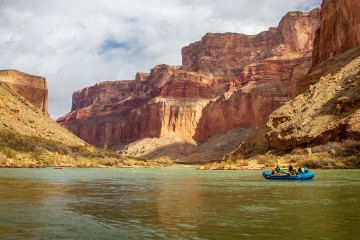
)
(32, 88)
(329, 111)
(340, 29)
(168, 100)
(226, 81)
(259, 78)
(226, 55)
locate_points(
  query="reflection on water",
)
(22, 206)
(178, 206)
(175, 203)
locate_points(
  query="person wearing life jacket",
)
(276, 170)
(291, 169)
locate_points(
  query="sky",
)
(77, 43)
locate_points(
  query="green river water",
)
(176, 203)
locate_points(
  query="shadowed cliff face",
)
(226, 81)
(329, 111)
(340, 29)
(32, 88)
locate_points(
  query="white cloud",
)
(76, 43)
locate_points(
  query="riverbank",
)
(108, 159)
(266, 161)
(96, 160)
(18, 151)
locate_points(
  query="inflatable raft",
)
(303, 175)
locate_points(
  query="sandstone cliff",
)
(168, 100)
(30, 138)
(226, 55)
(259, 77)
(226, 81)
(340, 29)
(32, 88)
(329, 110)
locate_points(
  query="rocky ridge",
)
(226, 81)
(30, 138)
(32, 88)
(340, 29)
(328, 113)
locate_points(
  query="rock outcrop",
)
(329, 110)
(168, 100)
(32, 88)
(340, 29)
(226, 81)
(30, 138)
(259, 78)
(226, 55)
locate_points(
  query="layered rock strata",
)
(226, 81)
(168, 100)
(340, 29)
(226, 55)
(329, 110)
(259, 77)
(32, 88)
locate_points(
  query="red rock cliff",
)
(102, 93)
(168, 100)
(226, 55)
(32, 88)
(329, 111)
(226, 81)
(260, 72)
(340, 29)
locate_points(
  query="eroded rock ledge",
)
(226, 81)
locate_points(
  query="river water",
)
(176, 203)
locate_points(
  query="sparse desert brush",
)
(269, 164)
(164, 162)
(9, 152)
(352, 161)
(265, 158)
(243, 162)
(229, 162)
(319, 161)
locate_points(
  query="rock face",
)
(101, 93)
(32, 88)
(340, 29)
(168, 100)
(329, 110)
(226, 56)
(226, 81)
(258, 78)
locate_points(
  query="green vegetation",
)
(347, 159)
(226, 165)
(24, 151)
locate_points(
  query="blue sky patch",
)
(110, 44)
(309, 5)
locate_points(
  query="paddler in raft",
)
(291, 170)
(276, 170)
